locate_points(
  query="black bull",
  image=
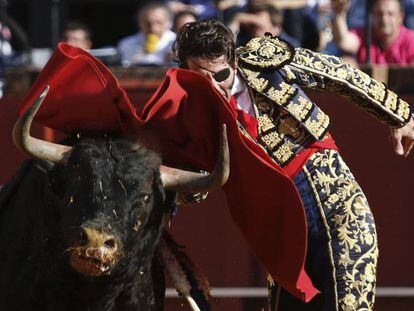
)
(78, 228)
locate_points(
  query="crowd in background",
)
(335, 27)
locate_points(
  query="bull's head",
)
(111, 194)
(111, 204)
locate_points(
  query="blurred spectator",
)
(183, 18)
(14, 42)
(409, 13)
(321, 13)
(296, 23)
(228, 8)
(282, 4)
(77, 34)
(391, 41)
(356, 16)
(6, 50)
(201, 8)
(259, 19)
(152, 44)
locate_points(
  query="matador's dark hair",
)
(208, 39)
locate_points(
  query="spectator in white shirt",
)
(152, 44)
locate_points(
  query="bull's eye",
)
(146, 198)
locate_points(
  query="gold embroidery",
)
(265, 52)
(290, 76)
(364, 91)
(280, 132)
(404, 109)
(318, 125)
(300, 109)
(391, 102)
(271, 140)
(253, 44)
(342, 73)
(281, 96)
(281, 149)
(284, 152)
(258, 84)
(265, 123)
(349, 222)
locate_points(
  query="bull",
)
(79, 225)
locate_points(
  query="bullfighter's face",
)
(210, 68)
(107, 199)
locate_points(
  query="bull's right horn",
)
(37, 148)
(190, 182)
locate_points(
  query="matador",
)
(289, 191)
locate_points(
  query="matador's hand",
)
(403, 138)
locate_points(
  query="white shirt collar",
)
(238, 85)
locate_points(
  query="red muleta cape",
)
(184, 117)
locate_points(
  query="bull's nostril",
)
(83, 237)
(110, 243)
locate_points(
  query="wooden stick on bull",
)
(186, 277)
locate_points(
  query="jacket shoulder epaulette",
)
(266, 52)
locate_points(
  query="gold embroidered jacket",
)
(262, 57)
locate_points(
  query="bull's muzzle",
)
(96, 251)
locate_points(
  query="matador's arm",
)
(320, 71)
(314, 70)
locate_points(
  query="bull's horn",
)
(35, 147)
(190, 182)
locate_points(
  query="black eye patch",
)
(221, 75)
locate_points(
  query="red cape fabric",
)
(183, 121)
(83, 96)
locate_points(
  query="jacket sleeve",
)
(319, 71)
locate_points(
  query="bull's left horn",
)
(35, 147)
(190, 182)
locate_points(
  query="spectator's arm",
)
(244, 19)
(346, 40)
(286, 4)
(177, 6)
(225, 4)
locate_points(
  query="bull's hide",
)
(81, 236)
